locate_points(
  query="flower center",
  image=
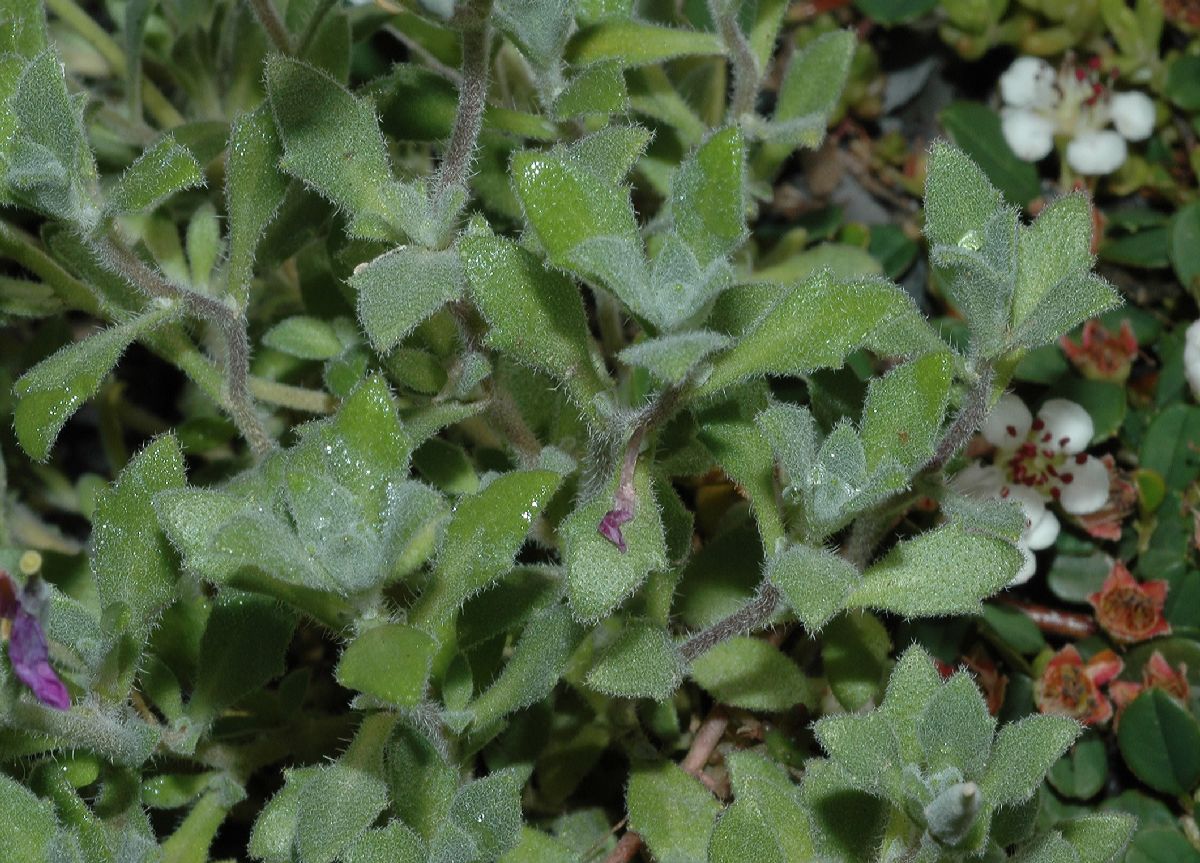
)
(1040, 461)
(1129, 605)
(1073, 689)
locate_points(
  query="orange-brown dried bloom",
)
(1101, 354)
(1070, 687)
(1156, 674)
(1107, 522)
(1130, 610)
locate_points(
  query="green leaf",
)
(765, 785)
(637, 43)
(1160, 741)
(242, 649)
(535, 666)
(484, 820)
(331, 141)
(863, 747)
(641, 663)
(793, 337)
(751, 673)
(394, 843)
(672, 811)
(809, 94)
(959, 199)
(1165, 446)
(708, 196)
(1183, 244)
(814, 582)
(1099, 838)
(50, 392)
(846, 823)
(671, 358)
(162, 170)
(1183, 82)
(1161, 845)
(854, 653)
(904, 409)
(596, 89)
(943, 571)
(482, 539)
(254, 190)
(390, 662)
(599, 575)
(1082, 771)
(422, 782)
(132, 562)
(976, 128)
(955, 728)
(534, 314)
(304, 337)
(50, 165)
(743, 833)
(1057, 245)
(539, 27)
(27, 823)
(912, 685)
(275, 828)
(335, 807)
(24, 28)
(888, 12)
(399, 290)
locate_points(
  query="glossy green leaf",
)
(976, 128)
(390, 662)
(943, 571)
(1165, 446)
(1160, 741)
(1083, 770)
(672, 811)
(50, 392)
(163, 169)
(399, 290)
(599, 575)
(750, 673)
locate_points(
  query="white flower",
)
(1038, 460)
(1191, 358)
(1029, 134)
(1097, 152)
(1029, 81)
(1132, 114)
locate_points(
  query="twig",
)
(272, 23)
(753, 615)
(741, 58)
(472, 99)
(708, 735)
(1055, 621)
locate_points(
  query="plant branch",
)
(230, 322)
(970, 417)
(268, 16)
(472, 99)
(741, 58)
(753, 615)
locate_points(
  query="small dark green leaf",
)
(976, 128)
(1160, 741)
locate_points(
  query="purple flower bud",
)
(30, 657)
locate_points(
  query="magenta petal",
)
(30, 657)
(610, 527)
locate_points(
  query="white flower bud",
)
(1095, 153)
(1191, 358)
(1028, 82)
(1132, 114)
(1030, 135)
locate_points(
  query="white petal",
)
(1029, 134)
(1028, 81)
(979, 481)
(1095, 153)
(1008, 423)
(1132, 114)
(1191, 358)
(1028, 566)
(1069, 425)
(1043, 532)
(1088, 489)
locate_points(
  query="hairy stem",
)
(741, 58)
(268, 16)
(970, 417)
(751, 616)
(228, 321)
(163, 112)
(472, 99)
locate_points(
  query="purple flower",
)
(610, 526)
(27, 648)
